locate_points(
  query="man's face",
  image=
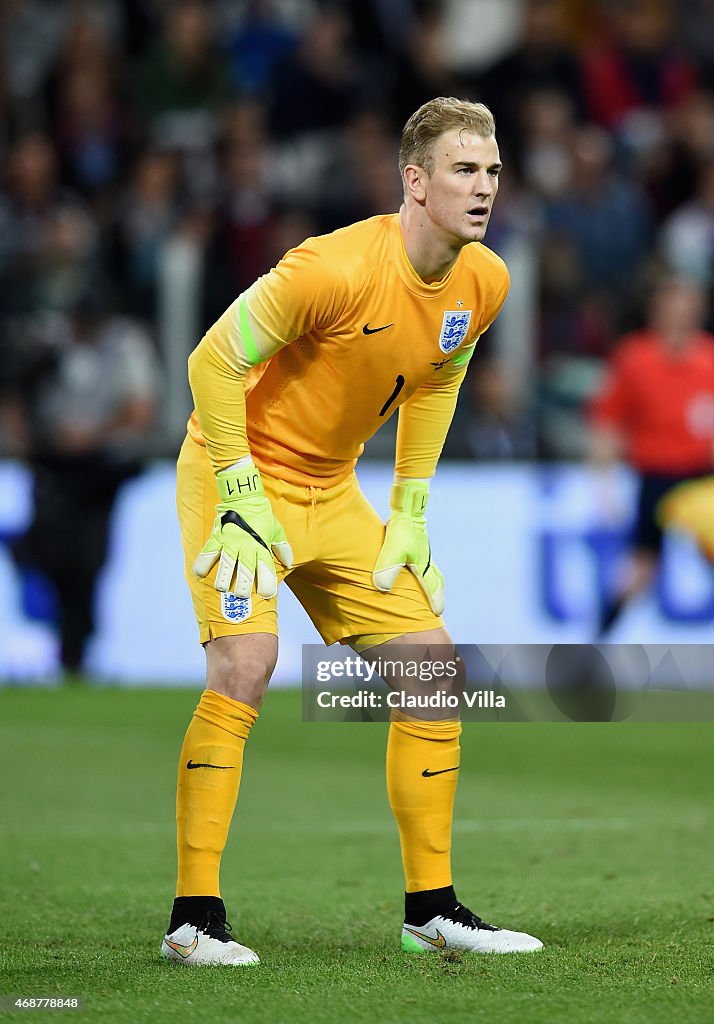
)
(677, 310)
(459, 194)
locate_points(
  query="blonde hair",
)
(435, 117)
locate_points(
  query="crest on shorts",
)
(454, 328)
(235, 609)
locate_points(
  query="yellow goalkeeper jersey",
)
(310, 361)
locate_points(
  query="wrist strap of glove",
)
(410, 496)
(239, 482)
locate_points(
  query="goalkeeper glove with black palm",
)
(406, 543)
(245, 534)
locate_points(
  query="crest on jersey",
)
(235, 609)
(454, 329)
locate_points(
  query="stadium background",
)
(155, 157)
(159, 156)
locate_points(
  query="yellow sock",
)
(421, 784)
(208, 780)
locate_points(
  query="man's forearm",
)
(220, 404)
(424, 422)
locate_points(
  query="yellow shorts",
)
(335, 535)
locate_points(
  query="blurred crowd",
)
(239, 127)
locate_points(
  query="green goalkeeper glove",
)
(406, 544)
(244, 531)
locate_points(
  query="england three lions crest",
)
(235, 609)
(454, 328)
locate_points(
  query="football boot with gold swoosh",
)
(209, 944)
(461, 930)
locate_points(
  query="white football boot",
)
(462, 930)
(207, 945)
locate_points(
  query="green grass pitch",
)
(597, 838)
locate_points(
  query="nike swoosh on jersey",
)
(439, 941)
(375, 330)
(427, 774)
(183, 951)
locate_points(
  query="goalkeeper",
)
(297, 374)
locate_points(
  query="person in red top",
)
(656, 410)
(637, 66)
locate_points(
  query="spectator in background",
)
(549, 131)
(45, 232)
(494, 427)
(595, 245)
(66, 265)
(150, 211)
(695, 19)
(382, 28)
(543, 60)
(687, 237)
(421, 70)
(30, 192)
(30, 37)
(257, 46)
(476, 36)
(637, 69)
(244, 121)
(86, 110)
(656, 410)
(237, 253)
(88, 45)
(289, 229)
(184, 81)
(318, 86)
(604, 216)
(361, 178)
(676, 157)
(81, 414)
(89, 133)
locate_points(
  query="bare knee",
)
(241, 666)
(439, 668)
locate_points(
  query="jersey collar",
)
(407, 272)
